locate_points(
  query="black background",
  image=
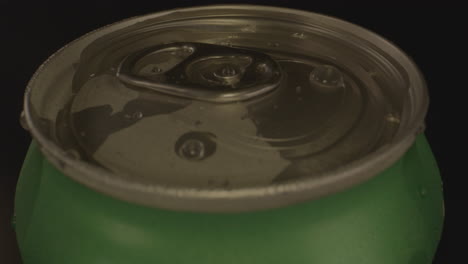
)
(30, 32)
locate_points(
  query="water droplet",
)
(326, 75)
(261, 67)
(422, 192)
(298, 89)
(273, 44)
(137, 115)
(92, 75)
(192, 149)
(249, 28)
(299, 35)
(23, 122)
(155, 70)
(187, 50)
(111, 70)
(392, 118)
(225, 43)
(134, 116)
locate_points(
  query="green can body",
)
(394, 218)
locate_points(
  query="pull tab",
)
(201, 71)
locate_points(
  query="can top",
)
(225, 108)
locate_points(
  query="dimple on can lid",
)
(225, 108)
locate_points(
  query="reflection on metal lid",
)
(201, 109)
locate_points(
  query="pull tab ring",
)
(201, 71)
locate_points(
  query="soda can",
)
(228, 134)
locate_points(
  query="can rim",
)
(249, 198)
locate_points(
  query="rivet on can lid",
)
(326, 76)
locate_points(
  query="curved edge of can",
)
(246, 199)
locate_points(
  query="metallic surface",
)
(178, 81)
(405, 91)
